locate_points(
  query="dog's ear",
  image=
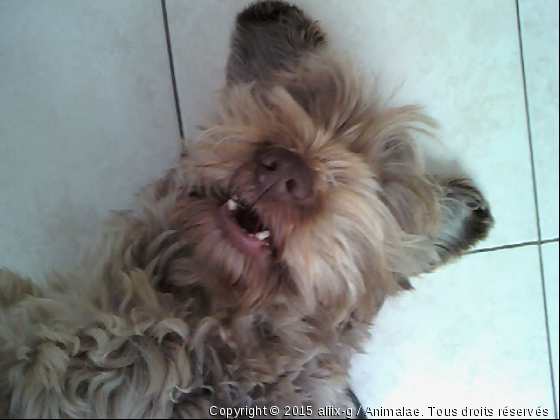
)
(269, 36)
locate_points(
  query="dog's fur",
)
(165, 317)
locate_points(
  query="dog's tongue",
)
(253, 244)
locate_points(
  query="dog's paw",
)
(479, 220)
(271, 11)
(285, 14)
(270, 36)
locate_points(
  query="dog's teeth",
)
(262, 235)
(251, 235)
(231, 205)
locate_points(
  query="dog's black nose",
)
(283, 175)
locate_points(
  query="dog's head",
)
(301, 186)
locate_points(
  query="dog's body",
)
(179, 309)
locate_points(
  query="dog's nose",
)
(283, 175)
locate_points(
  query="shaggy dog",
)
(249, 275)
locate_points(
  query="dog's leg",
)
(269, 36)
(465, 218)
(14, 288)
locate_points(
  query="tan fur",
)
(165, 318)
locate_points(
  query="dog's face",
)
(294, 186)
(299, 186)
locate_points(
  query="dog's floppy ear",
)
(269, 36)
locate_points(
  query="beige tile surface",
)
(87, 118)
(539, 30)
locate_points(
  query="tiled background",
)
(88, 116)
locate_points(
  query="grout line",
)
(528, 123)
(510, 246)
(172, 69)
(536, 198)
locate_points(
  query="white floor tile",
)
(87, 118)
(200, 33)
(539, 30)
(470, 335)
(550, 267)
(460, 59)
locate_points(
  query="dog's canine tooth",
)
(262, 235)
(231, 204)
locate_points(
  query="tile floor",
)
(88, 115)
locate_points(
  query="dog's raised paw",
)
(270, 36)
(271, 11)
(285, 14)
(480, 221)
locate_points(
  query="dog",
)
(249, 275)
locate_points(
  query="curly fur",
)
(164, 317)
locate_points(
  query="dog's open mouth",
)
(245, 228)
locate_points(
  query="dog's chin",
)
(232, 243)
